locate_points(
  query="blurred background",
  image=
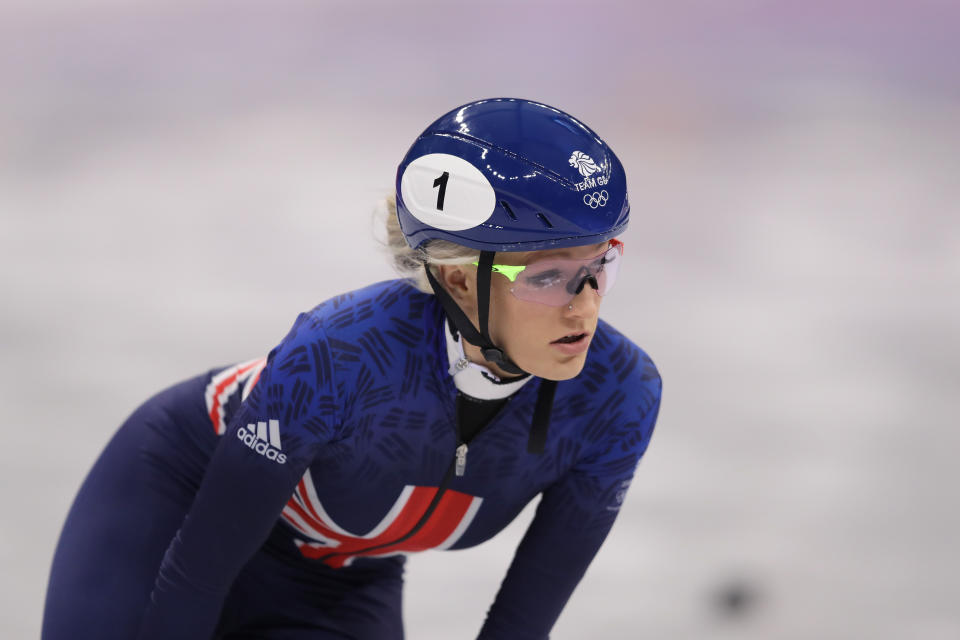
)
(179, 179)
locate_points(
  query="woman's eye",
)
(607, 258)
(597, 266)
(543, 280)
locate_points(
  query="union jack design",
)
(327, 540)
(225, 384)
(451, 517)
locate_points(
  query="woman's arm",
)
(573, 519)
(264, 452)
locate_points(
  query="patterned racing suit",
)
(279, 497)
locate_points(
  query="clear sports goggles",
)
(557, 281)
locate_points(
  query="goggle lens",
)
(556, 281)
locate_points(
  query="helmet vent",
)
(545, 220)
(506, 207)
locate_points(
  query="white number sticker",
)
(447, 192)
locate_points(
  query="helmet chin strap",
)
(537, 439)
(491, 352)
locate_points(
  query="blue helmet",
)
(510, 175)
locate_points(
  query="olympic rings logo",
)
(596, 199)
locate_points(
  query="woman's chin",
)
(569, 367)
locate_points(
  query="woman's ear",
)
(460, 282)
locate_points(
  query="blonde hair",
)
(409, 263)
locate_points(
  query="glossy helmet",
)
(510, 175)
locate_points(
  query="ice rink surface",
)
(179, 180)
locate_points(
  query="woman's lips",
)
(572, 344)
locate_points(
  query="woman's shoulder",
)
(615, 355)
(381, 303)
(619, 390)
(368, 327)
(617, 374)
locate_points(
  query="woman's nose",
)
(586, 300)
(587, 279)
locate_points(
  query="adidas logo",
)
(256, 437)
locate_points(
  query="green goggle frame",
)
(509, 270)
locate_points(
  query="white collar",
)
(477, 381)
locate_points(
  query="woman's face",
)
(549, 342)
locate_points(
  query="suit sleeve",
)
(574, 516)
(248, 481)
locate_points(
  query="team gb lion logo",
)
(583, 163)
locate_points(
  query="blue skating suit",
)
(317, 468)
